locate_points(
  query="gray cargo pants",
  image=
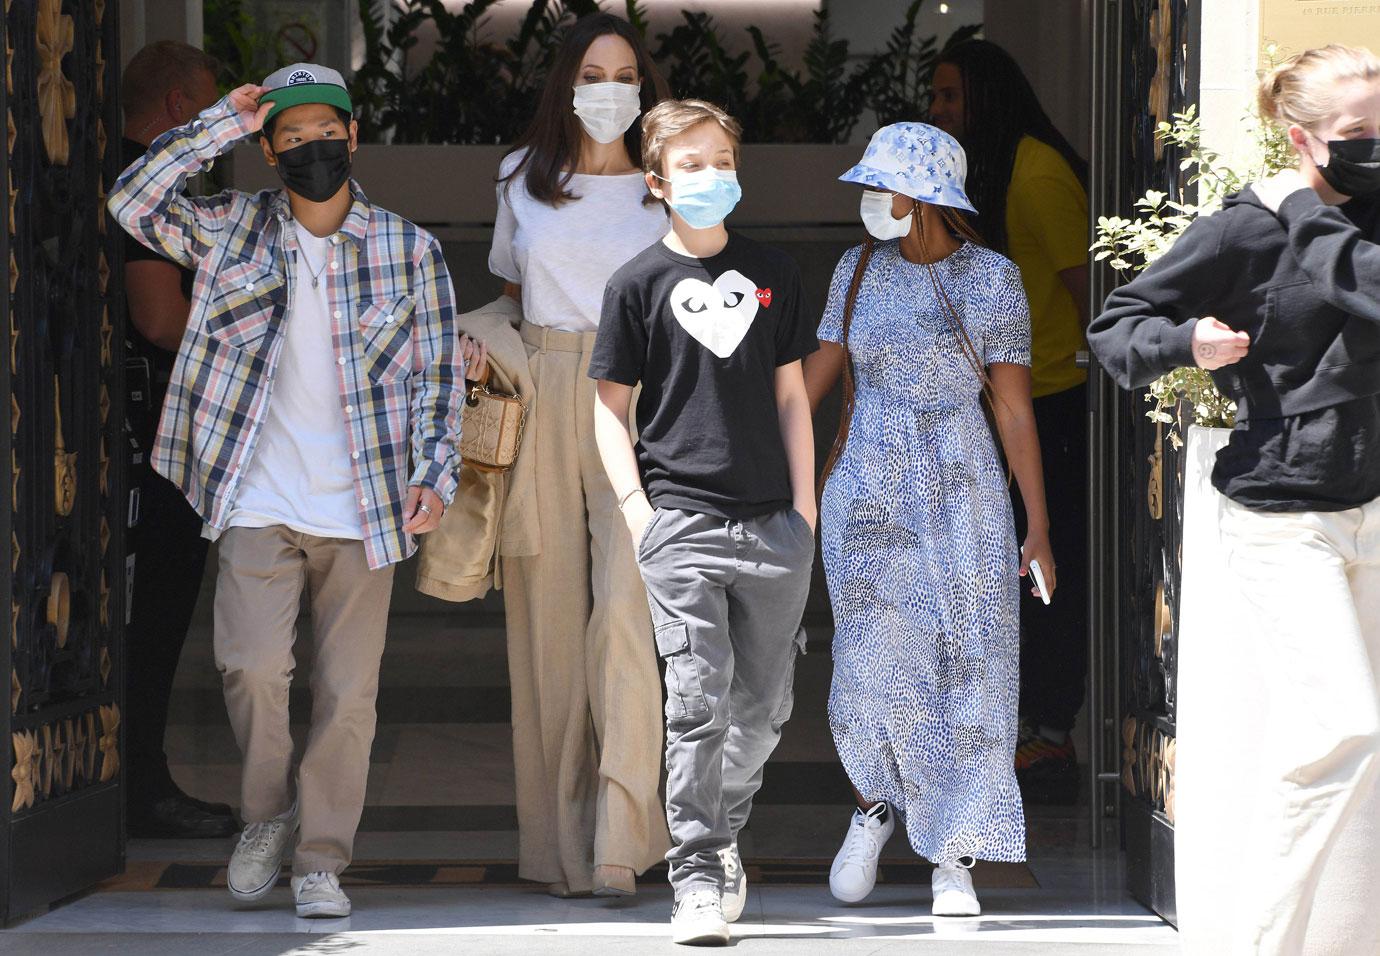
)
(726, 599)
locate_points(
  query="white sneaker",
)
(698, 919)
(952, 887)
(735, 884)
(319, 896)
(258, 857)
(854, 872)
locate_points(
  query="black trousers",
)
(170, 559)
(1054, 639)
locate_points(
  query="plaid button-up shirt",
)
(399, 370)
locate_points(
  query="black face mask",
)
(317, 169)
(1353, 166)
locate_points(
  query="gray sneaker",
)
(735, 884)
(258, 857)
(319, 896)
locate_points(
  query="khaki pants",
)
(258, 595)
(586, 693)
(1312, 582)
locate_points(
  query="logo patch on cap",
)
(300, 76)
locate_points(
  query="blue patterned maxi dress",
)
(921, 556)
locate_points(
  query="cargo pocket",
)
(684, 693)
(787, 705)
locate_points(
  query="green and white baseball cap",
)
(305, 83)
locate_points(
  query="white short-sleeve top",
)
(563, 255)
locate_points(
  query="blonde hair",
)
(669, 118)
(1302, 90)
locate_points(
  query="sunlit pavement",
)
(440, 804)
(1078, 906)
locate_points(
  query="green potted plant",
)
(1186, 396)
(444, 118)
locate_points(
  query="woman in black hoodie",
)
(1278, 295)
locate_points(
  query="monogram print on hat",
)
(719, 315)
(300, 76)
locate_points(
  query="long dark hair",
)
(999, 108)
(553, 139)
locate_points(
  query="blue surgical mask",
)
(705, 197)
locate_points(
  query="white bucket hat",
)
(916, 160)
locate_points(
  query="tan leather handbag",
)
(491, 427)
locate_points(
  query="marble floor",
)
(433, 867)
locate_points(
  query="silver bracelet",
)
(624, 500)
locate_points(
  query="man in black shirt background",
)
(165, 85)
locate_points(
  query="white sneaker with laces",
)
(698, 919)
(735, 884)
(953, 891)
(258, 857)
(319, 896)
(854, 872)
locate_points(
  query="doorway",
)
(441, 792)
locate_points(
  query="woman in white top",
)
(572, 208)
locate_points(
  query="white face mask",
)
(875, 210)
(606, 110)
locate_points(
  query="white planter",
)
(791, 186)
(1217, 707)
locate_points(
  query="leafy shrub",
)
(474, 90)
(1131, 245)
(241, 46)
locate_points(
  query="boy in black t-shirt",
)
(714, 327)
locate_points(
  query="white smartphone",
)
(1039, 577)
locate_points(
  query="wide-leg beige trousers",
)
(587, 725)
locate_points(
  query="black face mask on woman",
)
(317, 169)
(1353, 166)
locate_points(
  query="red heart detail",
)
(764, 297)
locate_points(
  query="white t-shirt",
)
(563, 255)
(299, 474)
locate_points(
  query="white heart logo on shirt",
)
(719, 315)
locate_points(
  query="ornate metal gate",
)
(64, 507)
(1145, 71)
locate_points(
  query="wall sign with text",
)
(1295, 25)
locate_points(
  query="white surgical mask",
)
(606, 110)
(875, 210)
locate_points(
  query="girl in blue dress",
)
(927, 327)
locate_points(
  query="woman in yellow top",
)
(1027, 183)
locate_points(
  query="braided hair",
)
(1000, 108)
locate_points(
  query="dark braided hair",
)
(999, 108)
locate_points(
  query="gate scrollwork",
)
(65, 508)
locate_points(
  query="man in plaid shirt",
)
(312, 422)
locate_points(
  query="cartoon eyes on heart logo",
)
(719, 315)
(764, 297)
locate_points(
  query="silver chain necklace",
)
(314, 273)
